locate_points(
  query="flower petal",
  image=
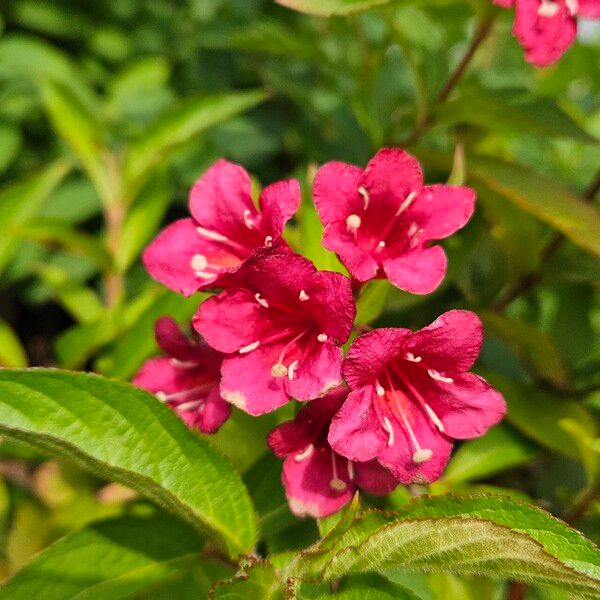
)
(419, 271)
(172, 341)
(589, 9)
(451, 343)
(213, 413)
(442, 210)
(398, 457)
(219, 199)
(355, 431)
(248, 383)
(468, 407)
(335, 191)
(308, 486)
(318, 371)
(544, 38)
(370, 353)
(373, 478)
(278, 204)
(159, 375)
(169, 258)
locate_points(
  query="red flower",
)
(187, 379)
(411, 394)
(281, 326)
(383, 219)
(317, 481)
(546, 28)
(192, 254)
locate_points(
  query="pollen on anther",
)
(269, 241)
(162, 396)
(353, 222)
(365, 194)
(261, 300)
(412, 358)
(279, 370)
(322, 337)
(198, 262)
(381, 245)
(303, 296)
(337, 484)
(435, 375)
(422, 455)
(249, 347)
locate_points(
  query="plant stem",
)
(482, 31)
(114, 215)
(529, 280)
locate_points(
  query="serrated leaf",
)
(327, 8)
(257, 581)
(110, 560)
(500, 449)
(177, 126)
(542, 197)
(20, 201)
(356, 587)
(125, 434)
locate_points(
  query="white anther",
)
(337, 484)
(365, 194)
(189, 405)
(198, 262)
(388, 427)
(409, 200)
(249, 347)
(303, 296)
(381, 245)
(410, 356)
(261, 300)
(322, 337)
(292, 370)
(183, 364)
(269, 241)
(305, 453)
(350, 467)
(204, 275)
(162, 396)
(435, 375)
(436, 420)
(573, 6)
(279, 370)
(412, 229)
(248, 219)
(422, 455)
(353, 222)
(211, 235)
(379, 389)
(548, 8)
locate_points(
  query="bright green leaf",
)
(12, 353)
(256, 582)
(327, 8)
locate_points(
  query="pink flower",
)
(383, 219)
(546, 28)
(411, 394)
(317, 481)
(192, 254)
(281, 327)
(187, 379)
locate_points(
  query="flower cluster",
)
(547, 28)
(384, 414)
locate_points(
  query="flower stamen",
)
(248, 221)
(292, 369)
(353, 222)
(336, 483)
(436, 375)
(322, 337)
(303, 296)
(412, 358)
(305, 453)
(261, 300)
(249, 347)
(548, 8)
(362, 190)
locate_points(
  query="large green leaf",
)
(326, 8)
(110, 560)
(124, 433)
(177, 126)
(256, 582)
(20, 201)
(542, 197)
(357, 587)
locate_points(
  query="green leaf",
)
(109, 560)
(124, 433)
(256, 582)
(10, 144)
(80, 129)
(20, 201)
(536, 348)
(542, 197)
(12, 353)
(355, 587)
(371, 301)
(327, 8)
(177, 126)
(500, 449)
(538, 414)
(492, 536)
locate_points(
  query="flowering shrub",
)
(375, 377)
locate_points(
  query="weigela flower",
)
(381, 220)
(411, 394)
(546, 28)
(192, 254)
(187, 379)
(281, 327)
(317, 481)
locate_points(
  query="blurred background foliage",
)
(109, 110)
